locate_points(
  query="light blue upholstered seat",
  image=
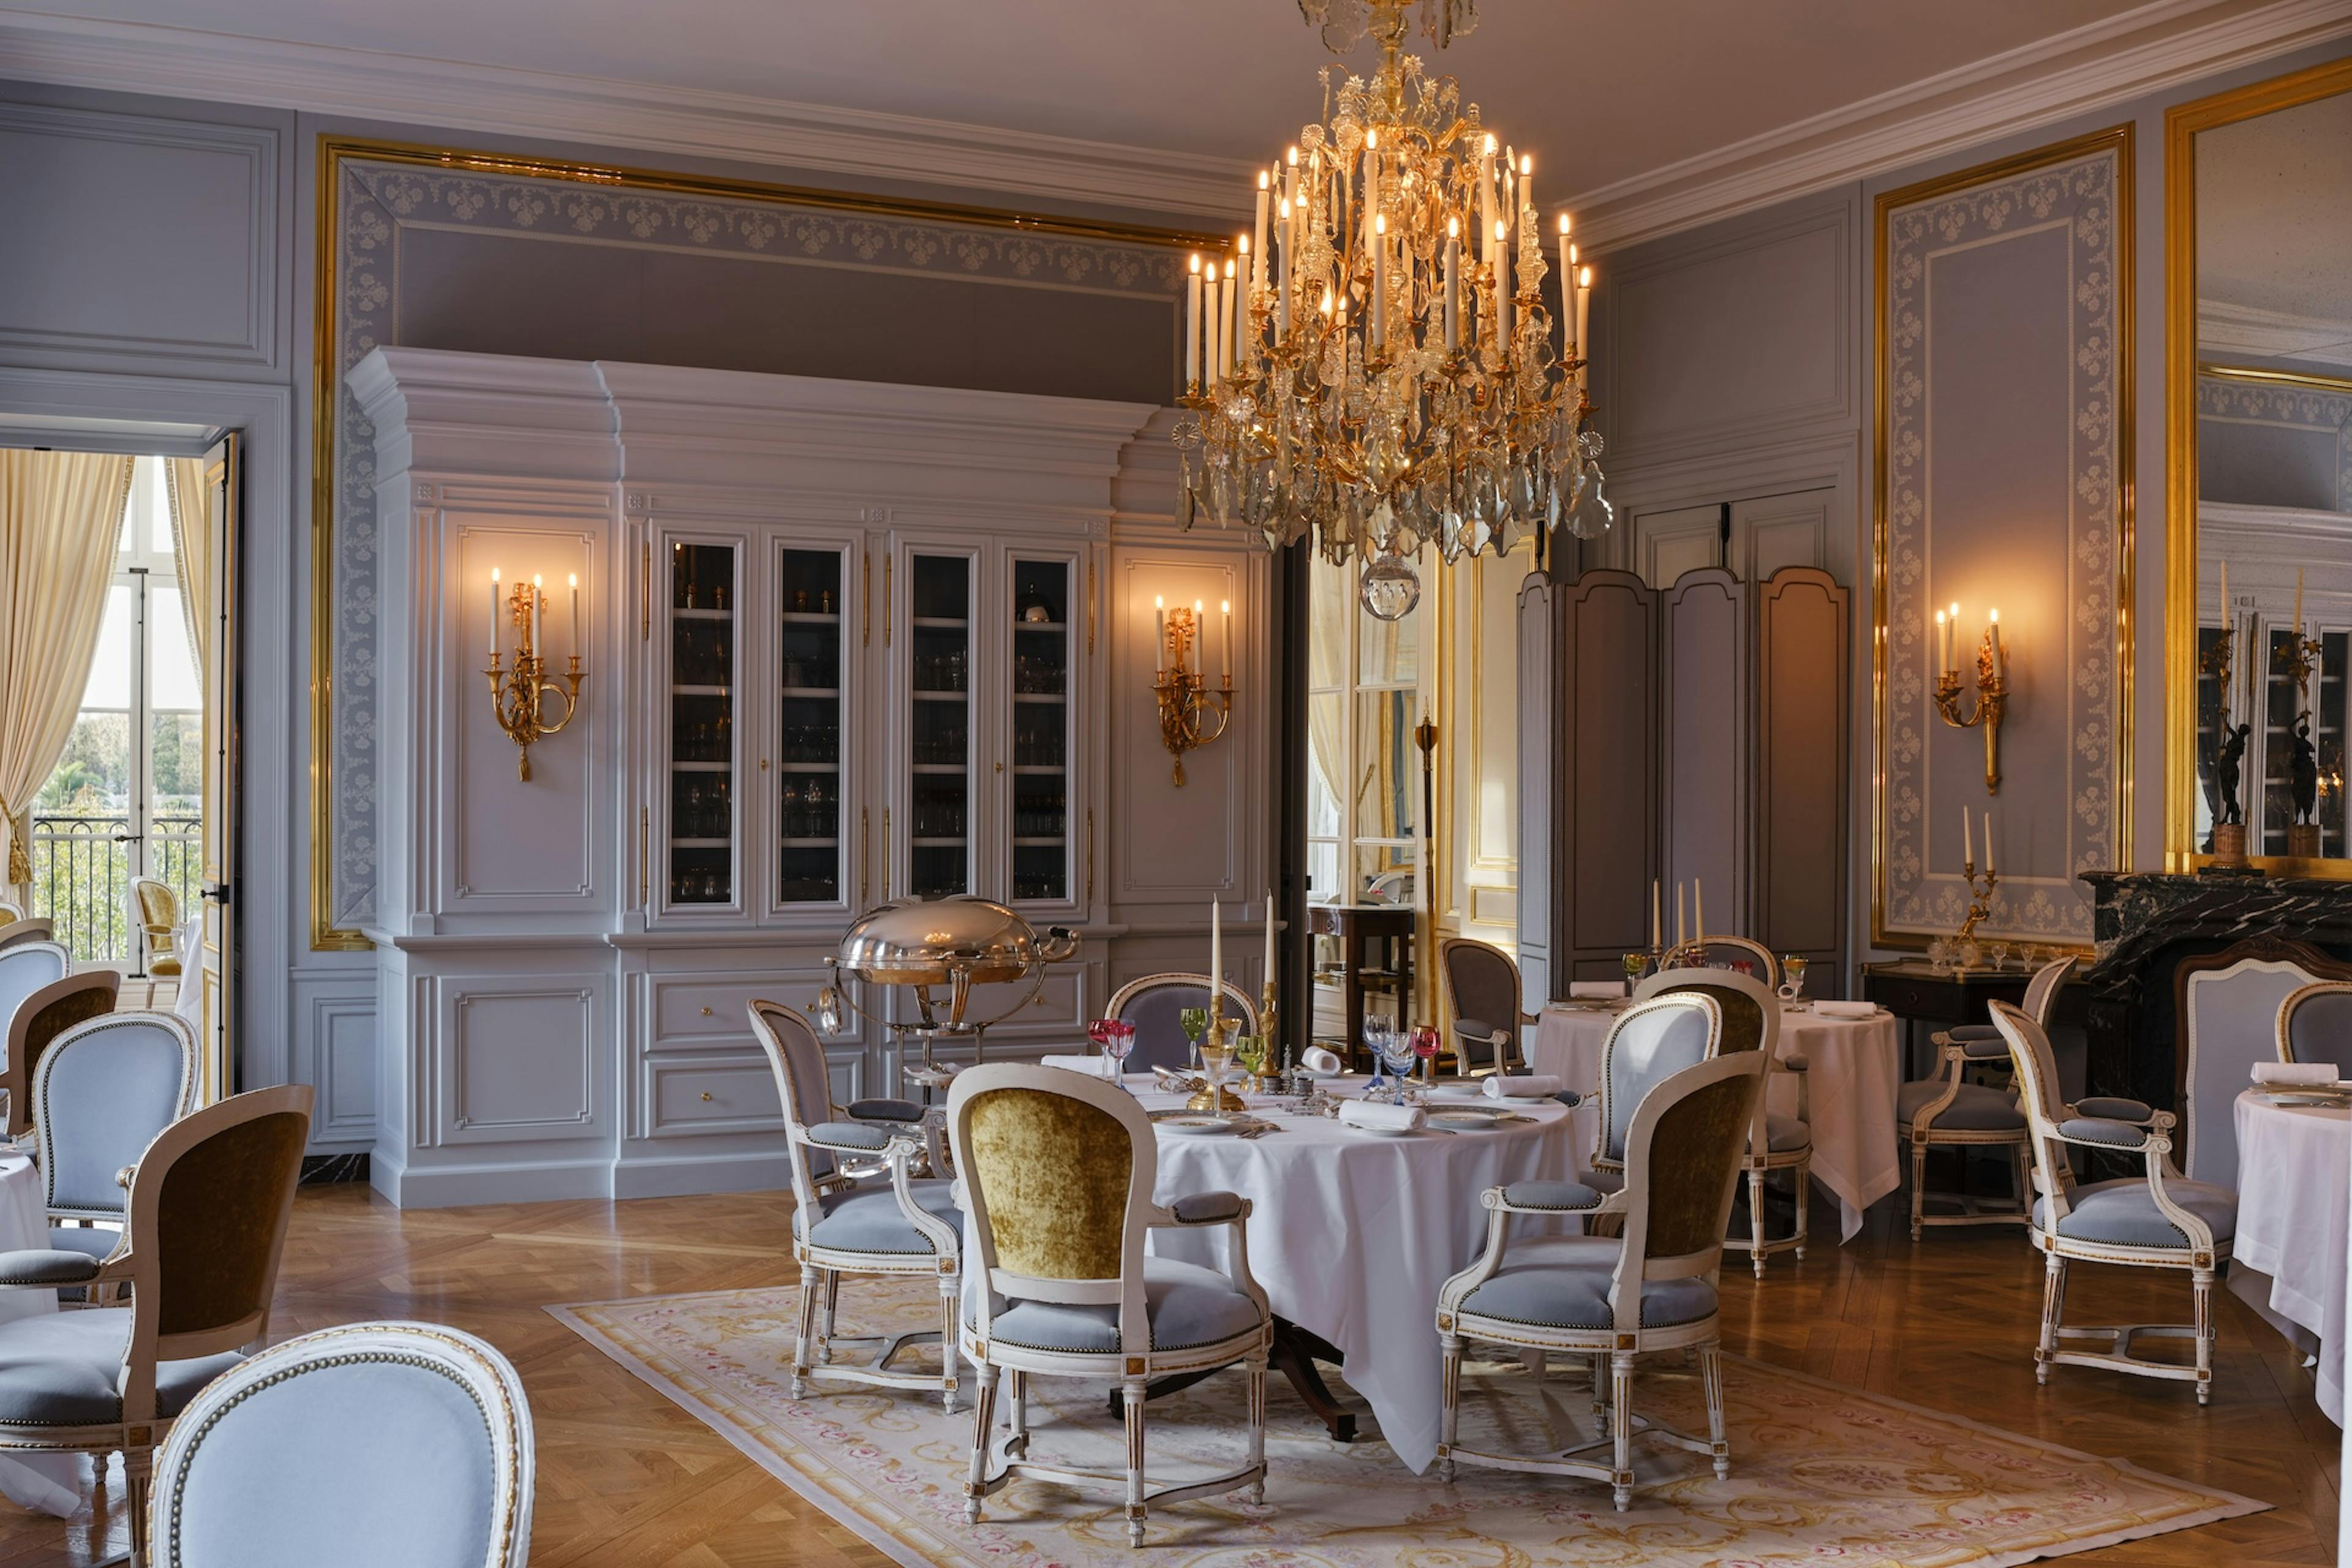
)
(869, 1219)
(24, 970)
(1562, 1196)
(91, 1241)
(368, 1446)
(2123, 1213)
(1976, 1108)
(2104, 1130)
(1562, 1283)
(60, 1369)
(1782, 1133)
(857, 1134)
(1187, 1304)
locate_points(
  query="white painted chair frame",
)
(39, 928)
(139, 1430)
(1616, 1345)
(2296, 1000)
(2201, 1257)
(486, 1376)
(1135, 1363)
(1768, 967)
(1953, 1049)
(15, 1082)
(1612, 1204)
(822, 1266)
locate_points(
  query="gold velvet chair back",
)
(209, 1203)
(156, 910)
(1682, 1163)
(2315, 1024)
(806, 1088)
(40, 928)
(1057, 1171)
(39, 1019)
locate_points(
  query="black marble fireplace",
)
(2149, 925)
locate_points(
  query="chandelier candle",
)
(1425, 403)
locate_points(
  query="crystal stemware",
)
(1215, 1058)
(1194, 1021)
(1099, 1033)
(1792, 971)
(1633, 962)
(1424, 1046)
(1376, 1033)
(1122, 1042)
(1396, 1055)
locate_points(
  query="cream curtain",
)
(1327, 611)
(60, 519)
(190, 497)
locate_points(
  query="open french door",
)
(221, 729)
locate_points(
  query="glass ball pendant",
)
(1391, 588)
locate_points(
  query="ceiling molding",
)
(181, 62)
(2128, 56)
(2224, 326)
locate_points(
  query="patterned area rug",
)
(1820, 1472)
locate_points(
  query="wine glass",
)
(1396, 1055)
(1122, 1042)
(2001, 955)
(1194, 1021)
(1249, 1053)
(1634, 962)
(1216, 1057)
(1792, 968)
(1099, 1033)
(1424, 1046)
(1939, 953)
(1377, 1033)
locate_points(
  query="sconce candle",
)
(1992, 685)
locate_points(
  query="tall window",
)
(1363, 701)
(124, 798)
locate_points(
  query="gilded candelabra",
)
(519, 693)
(1992, 700)
(1980, 898)
(1191, 712)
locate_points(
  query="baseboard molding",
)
(415, 1186)
(685, 1176)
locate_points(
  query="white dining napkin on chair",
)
(1596, 990)
(2297, 1073)
(1364, 1113)
(1524, 1086)
(1846, 1009)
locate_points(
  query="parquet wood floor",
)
(626, 1478)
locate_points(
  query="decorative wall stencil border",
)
(369, 191)
(2182, 124)
(2283, 397)
(2085, 183)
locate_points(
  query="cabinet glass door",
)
(810, 778)
(1041, 604)
(939, 669)
(701, 818)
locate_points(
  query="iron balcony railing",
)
(81, 878)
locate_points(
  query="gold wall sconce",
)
(519, 693)
(1992, 685)
(1192, 714)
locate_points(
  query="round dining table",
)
(46, 1483)
(2295, 1201)
(1350, 1234)
(1854, 1069)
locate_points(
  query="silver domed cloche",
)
(958, 942)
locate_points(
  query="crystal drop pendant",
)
(1391, 588)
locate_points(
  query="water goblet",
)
(1376, 1033)
(1194, 1021)
(1792, 971)
(2001, 955)
(1216, 1057)
(1939, 953)
(1396, 1055)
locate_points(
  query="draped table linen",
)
(2295, 1201)
(1855, 1069)
(46, 1483)
(1352, 1233)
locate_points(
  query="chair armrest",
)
(2115, 1108)
(1208, 1208)
(2102, 1132)
(1545, 1197)
(1572, 1097)
(885, 1111)
(1478, 1029)
(1995, 1050)
(856, 1138)
(42, 1267)
(1965, 1034)
(125, 1176)
(1797, 1062)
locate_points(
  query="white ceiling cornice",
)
(181, 62)
(2127, 56)
(2143, 51)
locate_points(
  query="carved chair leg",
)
(1755, 1219)
(950, 1292)
(810, 1286)
(1134, 1389)
(831, 1308)
(1804, 1180)
(1621, 1428)
(1016, 1413)
(1600, 1382)
(138, 1468)
(983, 1424)
(1256, 1372)
(2053, 1307)
(2202, 1286)
(1710, 1372)
(1449, 1409)
(1919, 1188)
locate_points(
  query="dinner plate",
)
(2306, 1098)
(1459, 1092)
(1196, 1126)
(1377, 1132)
(1480, 1120)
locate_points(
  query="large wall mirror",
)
(2258, 362)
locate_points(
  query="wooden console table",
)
(1358, 927)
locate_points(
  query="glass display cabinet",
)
(699, 811)
(1041, 666)
(812, 778)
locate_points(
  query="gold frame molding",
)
(2118, 139)
(2182, 124)
(326, 937)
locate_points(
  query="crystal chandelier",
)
(1374, 363)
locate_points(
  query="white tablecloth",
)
(48, 1483)
(1855, 1069)
(1350, 1234)
(2295, 1189)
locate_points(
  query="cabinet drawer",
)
(687, 1098)
(696, 1013)
(1061, 1007)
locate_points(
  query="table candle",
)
(2297, 652)
(494, 614)
(1656, 932)
(1678, 913)
(1268, 977)
(1216, 956)
(2225, 594)
(1967, 839)
(1193, 325)
(1987, 813)
(1698, 909)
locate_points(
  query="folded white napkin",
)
(1091, 1065)
(1317, 1059)
(1362, 1113)
(2294, 1072)
(1525, 1086)
(1846, 1009)
(1595, 990)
